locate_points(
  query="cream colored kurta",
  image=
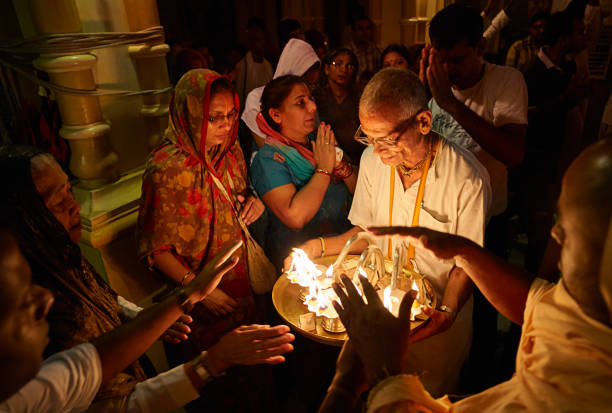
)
(456, 198)
(564, 364)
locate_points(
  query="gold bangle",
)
(322, 246)
(323, 172)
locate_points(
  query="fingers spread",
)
(369, 291)
(341, 295)
(353, 295)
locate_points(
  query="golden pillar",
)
(414, 22)
(92, 158)
(151, 68)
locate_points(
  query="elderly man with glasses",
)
(409, 175)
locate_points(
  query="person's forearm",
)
(121, 347)
(333, 245)
(507, 148)
(168, 264)
(504, 285)
(458, 289)
(306, 202)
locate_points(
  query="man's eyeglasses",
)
(219, 119)
(348, 66)
(389, 141)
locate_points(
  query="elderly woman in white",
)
(409, 175)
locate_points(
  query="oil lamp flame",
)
(387, 299)
(415, 287)
(303, 271)
(330, 271)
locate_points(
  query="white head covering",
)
(297, 57)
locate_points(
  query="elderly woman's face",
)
(394, 59)
(53, 186)
(221, 118)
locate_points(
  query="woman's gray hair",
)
(398, 89)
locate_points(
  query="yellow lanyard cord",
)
(391, 196)
(415, 215)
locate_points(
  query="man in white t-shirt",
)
(69, 380)
(482, 107)
(488, 102)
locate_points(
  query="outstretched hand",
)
(441, 245)
(249, 345)
(379, 338)
(210, 276)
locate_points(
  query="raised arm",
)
(506, 143)
(504, 285)
(122, 346)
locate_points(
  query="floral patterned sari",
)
(182, 211)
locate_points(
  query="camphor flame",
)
(387, 299)
(416, 306)
(392, 301)
(415, 287)
(302, 271)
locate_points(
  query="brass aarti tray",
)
(285, 297)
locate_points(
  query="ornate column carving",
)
(92, 158)
(151, 68)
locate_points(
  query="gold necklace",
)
(408, 172)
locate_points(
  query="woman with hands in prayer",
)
(299, 176)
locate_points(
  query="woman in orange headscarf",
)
(184, 219)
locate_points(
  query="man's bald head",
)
(588, 180)
(584, 208)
